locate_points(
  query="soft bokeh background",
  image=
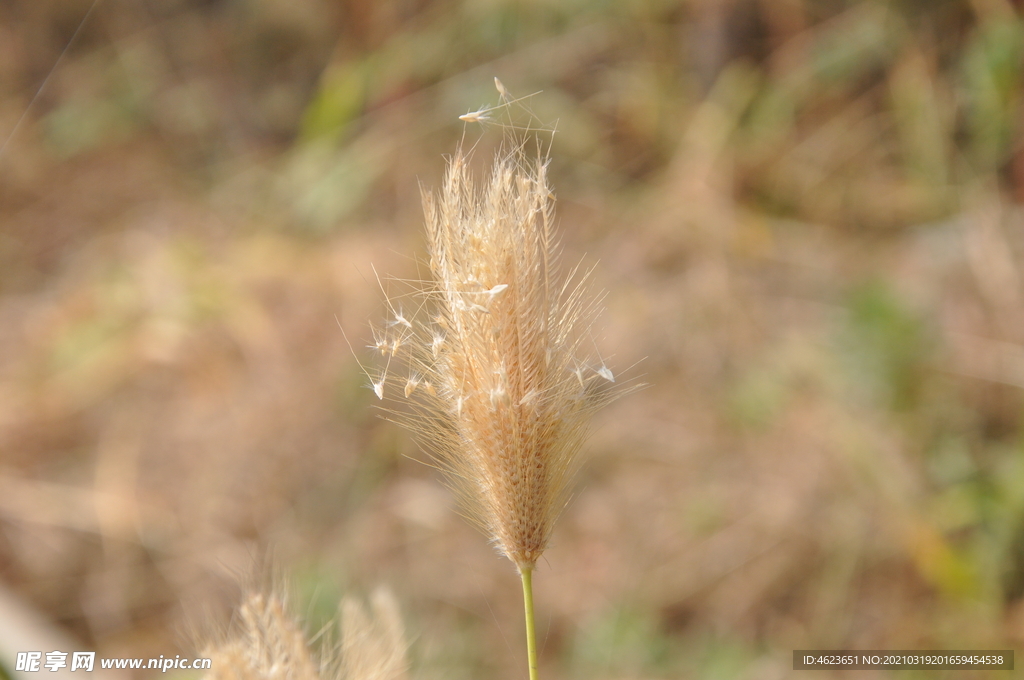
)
(805, 213)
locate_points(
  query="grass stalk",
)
(531, 629)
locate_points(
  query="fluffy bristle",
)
(500, 341)
(268, 644)
(373, 644)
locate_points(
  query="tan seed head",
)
(503, 346)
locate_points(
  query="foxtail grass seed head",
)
(494, 361)
(268, 644)
(373, 643)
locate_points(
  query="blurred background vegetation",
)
(806, 215)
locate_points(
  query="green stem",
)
(531, 630)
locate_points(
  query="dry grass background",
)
(806, 216)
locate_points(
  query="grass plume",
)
(495, 361)
(268, 644)
(497, 365)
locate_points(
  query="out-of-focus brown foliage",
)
(806, 215)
